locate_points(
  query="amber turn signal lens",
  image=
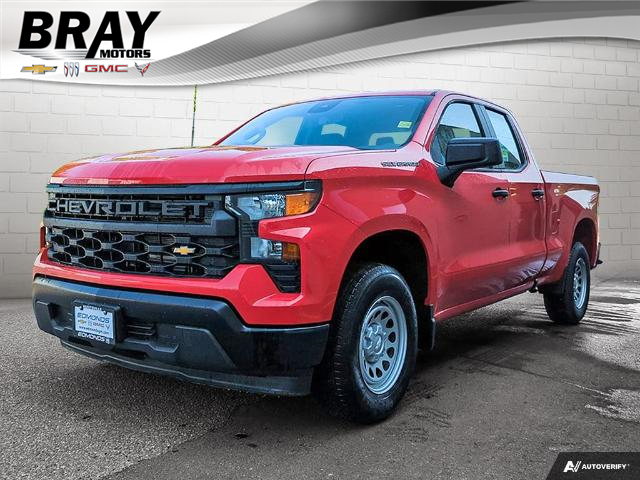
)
(298, 203)
(290, 252)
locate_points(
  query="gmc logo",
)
(128, 208)
(106, 68)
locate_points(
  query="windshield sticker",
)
(505, 154)
(404, 124)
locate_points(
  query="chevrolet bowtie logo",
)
(38, 69)
(184, 250)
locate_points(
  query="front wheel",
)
(566, 303)
(372, 346)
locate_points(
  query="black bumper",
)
(197, 339)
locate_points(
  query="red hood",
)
(194, 165)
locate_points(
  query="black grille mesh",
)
(286, 276)
(151, 253)
(140, 330)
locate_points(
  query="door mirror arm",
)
(467, 154)
(448, 175)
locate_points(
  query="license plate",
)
(95, 323)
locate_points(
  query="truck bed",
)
(570, 200)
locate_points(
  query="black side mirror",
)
(467, 154)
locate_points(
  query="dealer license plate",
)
(94, 323)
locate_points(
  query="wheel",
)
(566, 302)
(372, 346)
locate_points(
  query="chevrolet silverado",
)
(312, 249)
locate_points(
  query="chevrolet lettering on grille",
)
(123, 207)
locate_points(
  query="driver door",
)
(473, 217)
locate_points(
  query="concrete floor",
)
(503, 393)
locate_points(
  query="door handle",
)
(537, 193)
(500, 193)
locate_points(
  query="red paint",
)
(480, 249)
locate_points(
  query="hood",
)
(195, 165)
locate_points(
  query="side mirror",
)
(467, 154)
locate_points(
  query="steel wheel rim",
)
(383, 345)
(580, 281)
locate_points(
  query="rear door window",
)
(511, 155)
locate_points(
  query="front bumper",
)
(198, 339)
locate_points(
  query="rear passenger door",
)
(473, 216)
(526, 195)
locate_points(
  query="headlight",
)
(269, 205)
(253, 207)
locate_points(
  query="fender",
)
(402, 193)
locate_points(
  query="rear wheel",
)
(567, 302)
(372, 346)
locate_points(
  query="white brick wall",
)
(577, 100)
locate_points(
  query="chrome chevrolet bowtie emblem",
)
(184, 250)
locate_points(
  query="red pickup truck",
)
(314, 248)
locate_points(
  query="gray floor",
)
(503, 393)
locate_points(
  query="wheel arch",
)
(585, 232)
(411, 253)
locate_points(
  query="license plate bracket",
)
(98, 324)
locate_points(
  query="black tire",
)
(339, 382)
(559, 300)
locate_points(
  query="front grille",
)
(155, 231)
(130, 252)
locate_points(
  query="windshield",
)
(376, 122)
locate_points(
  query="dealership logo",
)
(142, 69)
(71, 69)
(84, 318)
(38, 69)
(91, 336)
(36, 37)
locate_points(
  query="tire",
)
(374, 322)
(566, 302)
